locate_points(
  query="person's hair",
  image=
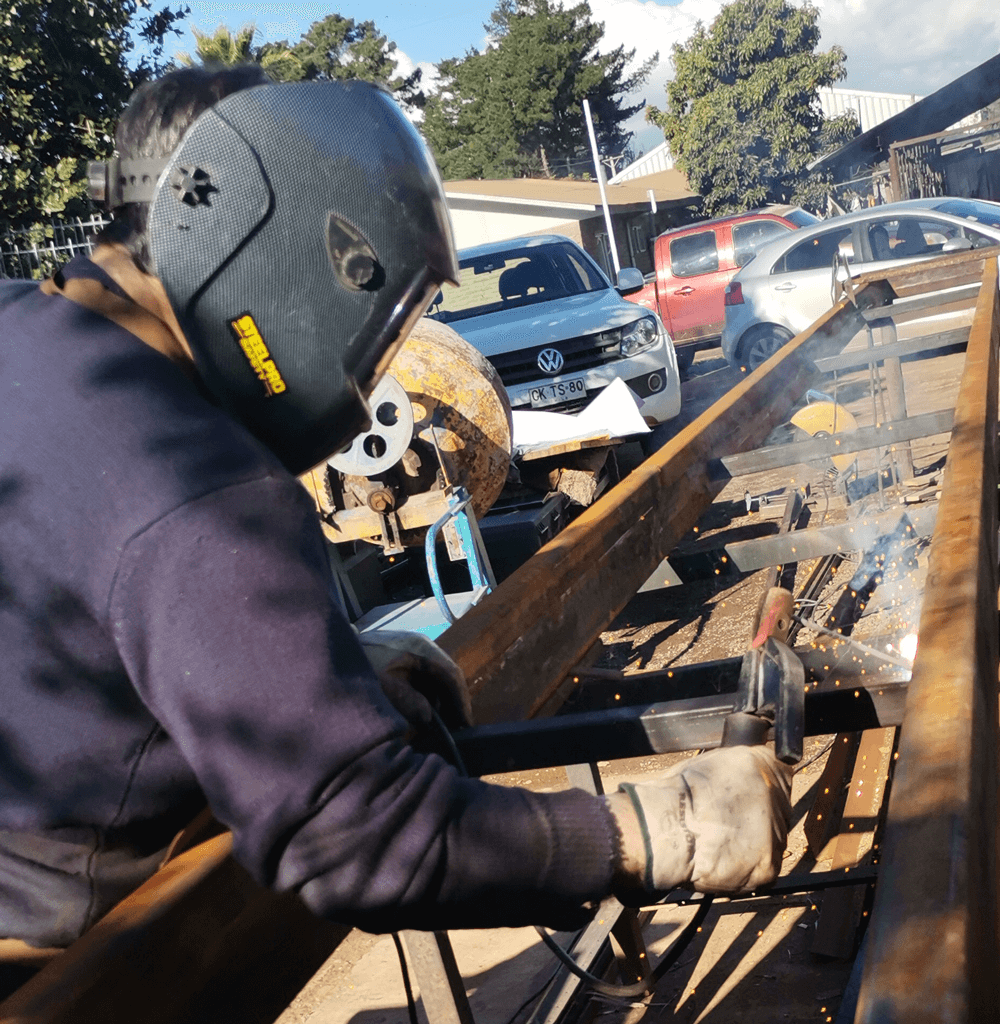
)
(153, 124)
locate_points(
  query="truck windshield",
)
(800, 218)
(519, 276)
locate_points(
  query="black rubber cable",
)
(638, 988)
(411, 1003)
(534, 995)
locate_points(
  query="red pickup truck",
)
(695, 263)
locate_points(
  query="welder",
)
(169, 632)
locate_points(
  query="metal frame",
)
(933, 945)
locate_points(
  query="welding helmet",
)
(299, 231)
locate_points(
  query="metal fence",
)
(35, 252)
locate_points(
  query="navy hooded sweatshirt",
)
(168, 638)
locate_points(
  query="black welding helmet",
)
(299, 231)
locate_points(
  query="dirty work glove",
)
(416, 676)
(717, 823)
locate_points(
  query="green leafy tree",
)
(743, 119)
(341, 48)
(224, 46)
(67, 68)
(516, 108)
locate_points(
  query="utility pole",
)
(600, 184)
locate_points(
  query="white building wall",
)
(475, 226)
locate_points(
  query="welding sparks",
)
(908, 646)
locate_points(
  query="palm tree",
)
(225, 47)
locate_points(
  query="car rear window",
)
(984, 213)
(518, 276)
(750, 235)
(695, 254)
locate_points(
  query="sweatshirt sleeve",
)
(222, 614)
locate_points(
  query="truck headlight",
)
(639, 336)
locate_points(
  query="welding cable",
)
(450, 744)
(411, 1003)
(638, 988)
(534, 995)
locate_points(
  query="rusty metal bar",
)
(933, 946)
(200, 942)
(442, 990)
(518, 644)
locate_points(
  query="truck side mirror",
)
(630, 280)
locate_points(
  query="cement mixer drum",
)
(455, 432)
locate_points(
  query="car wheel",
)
(685, 357)
(762, 343)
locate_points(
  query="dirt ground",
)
(752, 961)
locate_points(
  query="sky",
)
(898, 46)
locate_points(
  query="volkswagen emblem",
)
(550, 360)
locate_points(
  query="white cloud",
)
(648, 28)
(905, 46)
(910, 46)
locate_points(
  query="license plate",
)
(552, 394)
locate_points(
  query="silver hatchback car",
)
(789, 283)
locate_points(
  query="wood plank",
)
(933, 274)
(886, 434)
(933, 945)
(895, 350)
(516, 646)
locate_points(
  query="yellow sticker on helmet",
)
(252, 342)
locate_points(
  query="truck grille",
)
(521, 367)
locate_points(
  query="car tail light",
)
(734, 294)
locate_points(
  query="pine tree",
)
(498, 111)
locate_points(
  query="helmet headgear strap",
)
(117, 182)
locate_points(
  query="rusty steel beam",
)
(519, 643)
(200, 942)
(933, 945)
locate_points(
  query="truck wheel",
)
(685, 357)
(761, 343)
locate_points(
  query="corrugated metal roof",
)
(668, 186)
(657, 159)
(872, 108)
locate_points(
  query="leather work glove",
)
(417, 676)
(717, 823)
